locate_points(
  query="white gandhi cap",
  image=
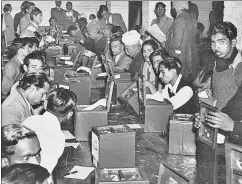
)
(131, 38)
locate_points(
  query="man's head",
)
(61, 102)
(103, 12)
(148, 47)
(116, 45)
(20, 145)
(33, 61)
(107, 30)
(69, 6)
(25, 174)
(223, 39)
(29, 7)
(117, 30)
(58, 3)
(82, 22)
(21, 47)
(36, 16)
(132, 43)
(72, 30)
(24, 6)
(160, 9)
(178, 6)
(53, 21)
(36, 85)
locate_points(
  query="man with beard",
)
(180, 40)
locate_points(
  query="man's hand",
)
(220, 120)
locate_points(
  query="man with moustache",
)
(180, 40)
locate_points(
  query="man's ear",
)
(234, 42)
(25, 68)
(32, 87)
(45, 104)
(69, 115)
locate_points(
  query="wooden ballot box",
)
(210, 155)
(182, 136)
(130, 97)
(123, 81)
(96, 82)
(171, 176)
(85, 120)
(233, 154)
(155, 114)
(134, 175)
(113, 146)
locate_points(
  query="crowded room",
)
(121, 92)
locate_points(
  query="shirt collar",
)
(237, 60)
(174, 87)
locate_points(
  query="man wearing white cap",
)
(181, 37)
(133, 44)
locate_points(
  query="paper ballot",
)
(68, 135)
(82, 173)
(156, 32)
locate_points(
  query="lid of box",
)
(112, 129)
(109, 92)
(182, 117)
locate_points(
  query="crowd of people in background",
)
(173, 70)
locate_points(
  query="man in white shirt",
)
(59, 107)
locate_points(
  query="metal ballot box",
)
(85, 120)
(182, 136)
(134, 175)
(155, 114)
(233, 154)
(210, 155)
(171, 176)
(113, 146)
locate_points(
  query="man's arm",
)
(23, 24)
(16, 21)
(9, 74)
(125, 63)
(10, 116)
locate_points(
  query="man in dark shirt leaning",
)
(19, 15)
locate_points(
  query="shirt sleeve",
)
(10, 115)
(181, 97)
(9, 74)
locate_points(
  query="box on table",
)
(113, 146)
(182, 137)
(155, 114)
(57, 72)
(134, 175)
(96, 82)
(171, 176)
(233, 153)
(85, 120)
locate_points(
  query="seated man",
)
(76, 33)
(32, 90)
(121, 61)
(19, 145)
(25, 174)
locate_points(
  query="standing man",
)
(105, 17)
(58, 13)
(36, 18)
(19, 15)
(162, 21)
(180, 40)
(25, 20)
(71, 16)
(133, 45)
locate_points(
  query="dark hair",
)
(71, 28)
(61, 101)
(172, 63)
(92, 16)
(193, 10)
(37, 78)
(52, 18)
(82, 19)
(35, 12)
(11, 134)
(34, 55)
(226, 28)
(116, 38)
(69, 3)
(205, 74)
(161, 52)
(28, 5)
(38, 36)
(34, 40)
(101, 9)
(24, 5)
(24, 174)
(6, 7)
(109, 27)
(17, 44)
(150, 42)
(160, 4)
(117, 29)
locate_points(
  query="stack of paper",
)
(156, 32)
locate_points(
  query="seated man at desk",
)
(121, 61)
(176, 89)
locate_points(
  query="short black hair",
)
(35, 12)
(61, 101)
(101, 9)
(160, 4)
(34, 40)
(150, 42)
(52, 18)
(225, 28)
(38, 36)
(24, 174)
(161, 52)
(6, 7)
(17, 44)
(71, 28)
(116, 38)
(69, 3)
(34, 55)
(27, 6)
(172, 63)
(117, 29)
(92, 16)
(36, 78)
(11, 134)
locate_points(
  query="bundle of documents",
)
(156, 32)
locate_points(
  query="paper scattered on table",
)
(156, 32)
(82, 173)
(102, 74)
(73, 144)
(68, 63)
(98, 65)
(220, 138)
(118, 76)
(68, 135)
(49, 39)
(133, 126)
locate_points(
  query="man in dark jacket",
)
(58, 13)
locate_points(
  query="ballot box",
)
(233, 154)
(210, 154)
(182, 136)
(171, 176)
(96, 82)
(113, 146)
(154, 114)
(130, 97)
(86, 119)
(123, 81)
(135, 175)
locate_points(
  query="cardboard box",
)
(113, 146)
(171, 176)
(155, 114)
(233, 153)
(211, 167)
(57, 72)
(121, 176)
(182, 137)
